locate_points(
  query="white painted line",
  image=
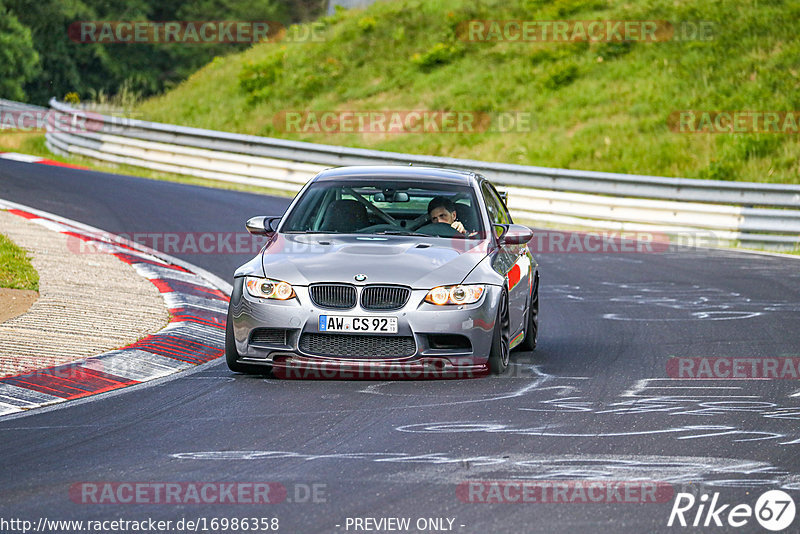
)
(25, 158)
(154, 272)
(178, 300)
(135, 364)
(694, 387)
(7, 409)
(195, 332)
(51, 225)
(24, 397)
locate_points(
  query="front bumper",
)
(432, 328)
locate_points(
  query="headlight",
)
(266, 288)
(460, 294)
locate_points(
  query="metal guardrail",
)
(347, 4)
(749, 214)
(10, 104)
(629, 185)
(17, 108)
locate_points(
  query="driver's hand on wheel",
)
(458, 227)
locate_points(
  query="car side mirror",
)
(513, 234)
(262, 225)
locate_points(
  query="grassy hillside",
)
(599, 106)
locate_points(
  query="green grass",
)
(34, 144)
(16, 271)
(598, 106)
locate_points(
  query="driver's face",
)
(441, 215)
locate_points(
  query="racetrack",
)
(594, 402)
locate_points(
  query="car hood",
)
(418, 262)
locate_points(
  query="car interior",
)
(384, 210)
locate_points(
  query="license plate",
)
(349, 323)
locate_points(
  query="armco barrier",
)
(6, 106)
(749, 214)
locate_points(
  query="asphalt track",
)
(594, 402)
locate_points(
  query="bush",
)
(255, 79)
(561, 75)
(756, 145)
(614, 49)
(367, 24)
(718, 170)
(439, 54)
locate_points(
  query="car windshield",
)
(385, 207)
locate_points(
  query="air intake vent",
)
(268, 336)
(449, 342)
(333, 296)
(357, 346)
(384, 297)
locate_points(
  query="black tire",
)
(532, 323)
(500, 352)
(232, 355)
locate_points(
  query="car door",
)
(511, 261)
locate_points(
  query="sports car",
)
(417, 270)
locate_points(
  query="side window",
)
(497, 210)
(503, 209)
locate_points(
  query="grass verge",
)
(16, 271)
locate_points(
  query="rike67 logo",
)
(774, 510)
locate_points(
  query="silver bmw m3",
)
(386, 272)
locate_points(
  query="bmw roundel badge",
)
(360, 277)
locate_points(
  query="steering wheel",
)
(439, 230)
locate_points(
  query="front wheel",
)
(232, 355)
(498, 357)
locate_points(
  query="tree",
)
(90, 68)
(19, 61)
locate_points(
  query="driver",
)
(443, 210)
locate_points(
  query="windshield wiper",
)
(399, 232)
